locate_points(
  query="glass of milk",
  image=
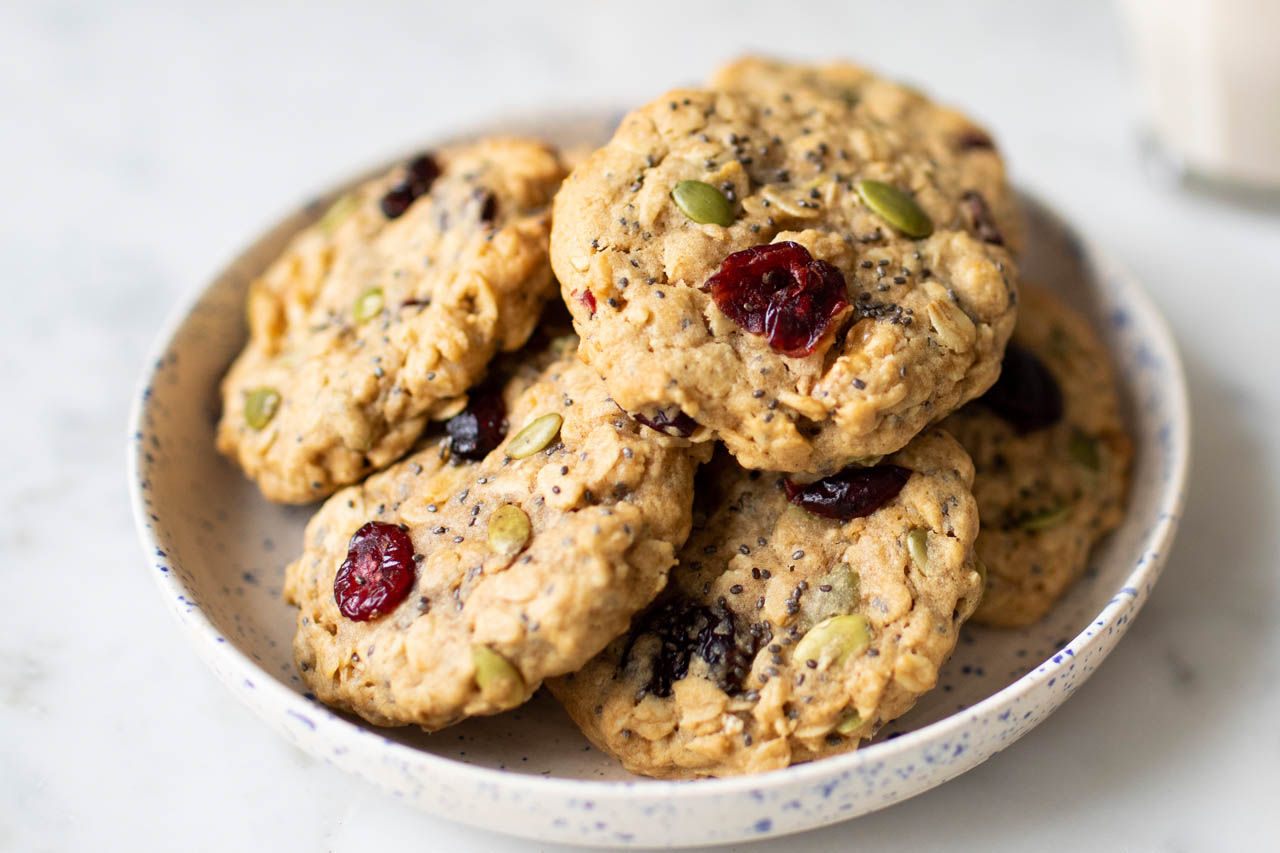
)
(1211, 74)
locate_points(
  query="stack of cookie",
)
(726, 506)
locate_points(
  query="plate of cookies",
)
(760, 453)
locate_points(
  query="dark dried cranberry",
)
(488, 208)
(973, 138)
(685, 629)
(984, 225)
(782, 292)
(377, 574)
(480, 427)
(397, 201)
(424, 170)
(1026, 394)
(419, 176)
(680, 424)
(588, 299)
(852, 493)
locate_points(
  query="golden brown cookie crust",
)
(930, 316)
(461, 275)
(1047, 496)
(763, 572)
(608, 506)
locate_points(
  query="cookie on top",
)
(785, 270)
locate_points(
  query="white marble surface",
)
(142, 143)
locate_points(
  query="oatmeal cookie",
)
(1052, 458)
(788, 271)
(382, 314)
(443, 588)
(784, 635)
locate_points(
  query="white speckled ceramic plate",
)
(217, 551)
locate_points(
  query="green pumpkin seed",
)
(499, 681)
(260, 407)
(895, 207)
(509, 530)
(834, 640)
(1085, 451)
(1045, 518)
(703, 203)
(536, 435)
(834, 595)
(338, 213)
(368, 304)
(918, 545)
(852, 721)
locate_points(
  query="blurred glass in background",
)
(1210, 72)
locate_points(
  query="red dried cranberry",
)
(480, 427)
(852, 493)
(780, 291)
(679, 424)
(377, 574)
(1026, 394)
(983, 223)
(420, 175)
(588, 299)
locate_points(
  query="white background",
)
(141, 145)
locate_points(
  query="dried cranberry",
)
(424, 169)
(1026, 394)
(397, 201)
(973, 138)
(679, 424)
(852, 493)
(488, 208)
(479, 428)
(983, 223)
(377, 574)
(419, 176)
(685, 629)
(588, 299)
(781, 291)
